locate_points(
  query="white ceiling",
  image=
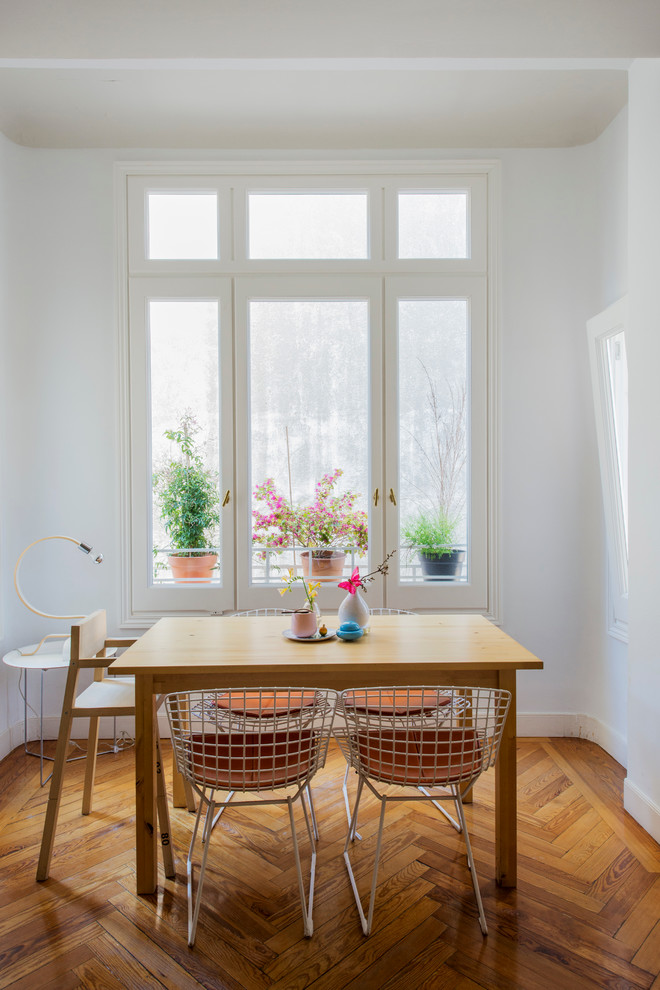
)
(305, 74)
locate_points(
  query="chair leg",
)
(230, 795)
(436, 804)
(308, 791)
(193, 909)
(366, 921)
(470, 859)
(307, 906)
(353, 834)
(163, 810)
(90, 764)
(57, 777)
(344, 788)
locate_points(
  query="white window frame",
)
(232, 273)
(148, 598)
(473, 593)
(600, 329)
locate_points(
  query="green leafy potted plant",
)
(187, 495)
(432, 536)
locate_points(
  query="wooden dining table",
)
(183, 654)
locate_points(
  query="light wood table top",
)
(396, 646)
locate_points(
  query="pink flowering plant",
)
(331, 520)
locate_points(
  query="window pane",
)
(309, 410)
(433, 439)
(183, 338)
(433, 225)
(618, 375)
(308, 225)
(182, 225)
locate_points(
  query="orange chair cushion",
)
(268, 704)
(422, 756)
(388, 703)
(252, 760)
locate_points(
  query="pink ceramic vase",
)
(303, 624)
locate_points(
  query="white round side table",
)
(44, 659)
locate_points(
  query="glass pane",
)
(433, 439)
(185, 456)
(308, 225)
(618, 374)
(309, 437)
(182, 225)
(433, 225)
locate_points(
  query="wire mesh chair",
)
(391, 611)
(420, 738)
(250, 741)
(256, 611)
(344, 786)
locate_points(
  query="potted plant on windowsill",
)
(432, 536)
(330, 521)
(187, 495)
(442, 453)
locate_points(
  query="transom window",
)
(308, 385)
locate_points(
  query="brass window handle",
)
(392, 496)
(376, 497)
(226, 499)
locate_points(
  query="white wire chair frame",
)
(249, 741)
(421, 739)
(391, 611)
(256, 611)
(344, 786)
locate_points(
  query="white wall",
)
(642, 787)
(62, 456)
(558, 207)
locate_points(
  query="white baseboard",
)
(642, 809)
(581, 726)
(15, 736)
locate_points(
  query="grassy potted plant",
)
(442, 453)
(432, 536)
(187, 495)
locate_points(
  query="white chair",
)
(256, 611)
(250, 741)
(391, 611)
(344, 786)
(105, 696)
(419, 738)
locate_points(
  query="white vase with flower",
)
(354, 608)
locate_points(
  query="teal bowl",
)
(350, 630)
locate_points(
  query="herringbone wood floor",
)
(586, 913)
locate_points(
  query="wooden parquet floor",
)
(586, 913)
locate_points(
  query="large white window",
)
(310, 383)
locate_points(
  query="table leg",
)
(145, 785)
(506, 813)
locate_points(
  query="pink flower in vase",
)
(354, 582)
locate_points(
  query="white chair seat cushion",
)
(111, 692)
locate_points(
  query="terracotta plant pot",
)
(193, 570)
(324, 568)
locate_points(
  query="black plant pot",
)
(441, 567)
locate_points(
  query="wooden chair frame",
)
(105, 696)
